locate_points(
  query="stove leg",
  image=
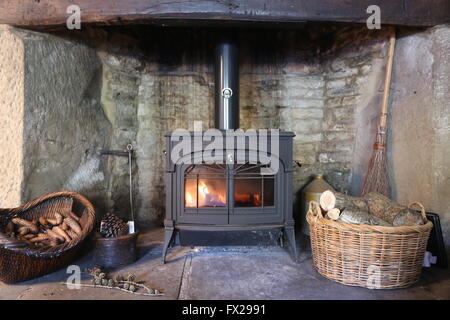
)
(168, 236)
(290, 237)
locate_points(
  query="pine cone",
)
(113, 226)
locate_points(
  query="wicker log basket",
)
(374, 257)
(20, 264)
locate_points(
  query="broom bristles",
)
(377, 179)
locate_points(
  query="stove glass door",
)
(228, 194)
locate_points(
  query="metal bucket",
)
(115, 252)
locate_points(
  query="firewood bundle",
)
(112, 226)
(45, 231)
(371, 209)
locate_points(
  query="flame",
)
(257, 199)
(222, 198)
(209, 195)
(213, 194)
(190, 201)
(248, 199)
(203, 189)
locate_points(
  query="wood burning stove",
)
(234, 199)
(207, 198)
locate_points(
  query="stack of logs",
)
(45, 231)
(371, 209)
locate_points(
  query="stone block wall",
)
(354, 75)
(167, 101)
(118, 99)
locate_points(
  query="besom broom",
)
(376, 179)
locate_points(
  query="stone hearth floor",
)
(225, 273)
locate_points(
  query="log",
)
(329, 200)
(40, 237)
(348, 209)
(22, 222)
(356, 216)
(73, 225)
(380, 208)
(54, 235)
(383, 207)
(346, 201)
(58, 218)
(408, 217)
(53, 222)
(62, 233)
(41, 232)
(42, 221)
(334, 213)
(24, 230)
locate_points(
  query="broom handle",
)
(387, 80)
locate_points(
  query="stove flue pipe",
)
(226, 68)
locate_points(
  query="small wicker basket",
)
(373, 257)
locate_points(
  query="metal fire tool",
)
(126, 153)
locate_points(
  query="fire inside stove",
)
(206, 194)
(206, 187)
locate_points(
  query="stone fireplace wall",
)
(51, 120)
(114, 86)
(419, 157)
(11, 127)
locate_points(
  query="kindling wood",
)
(40, 13)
